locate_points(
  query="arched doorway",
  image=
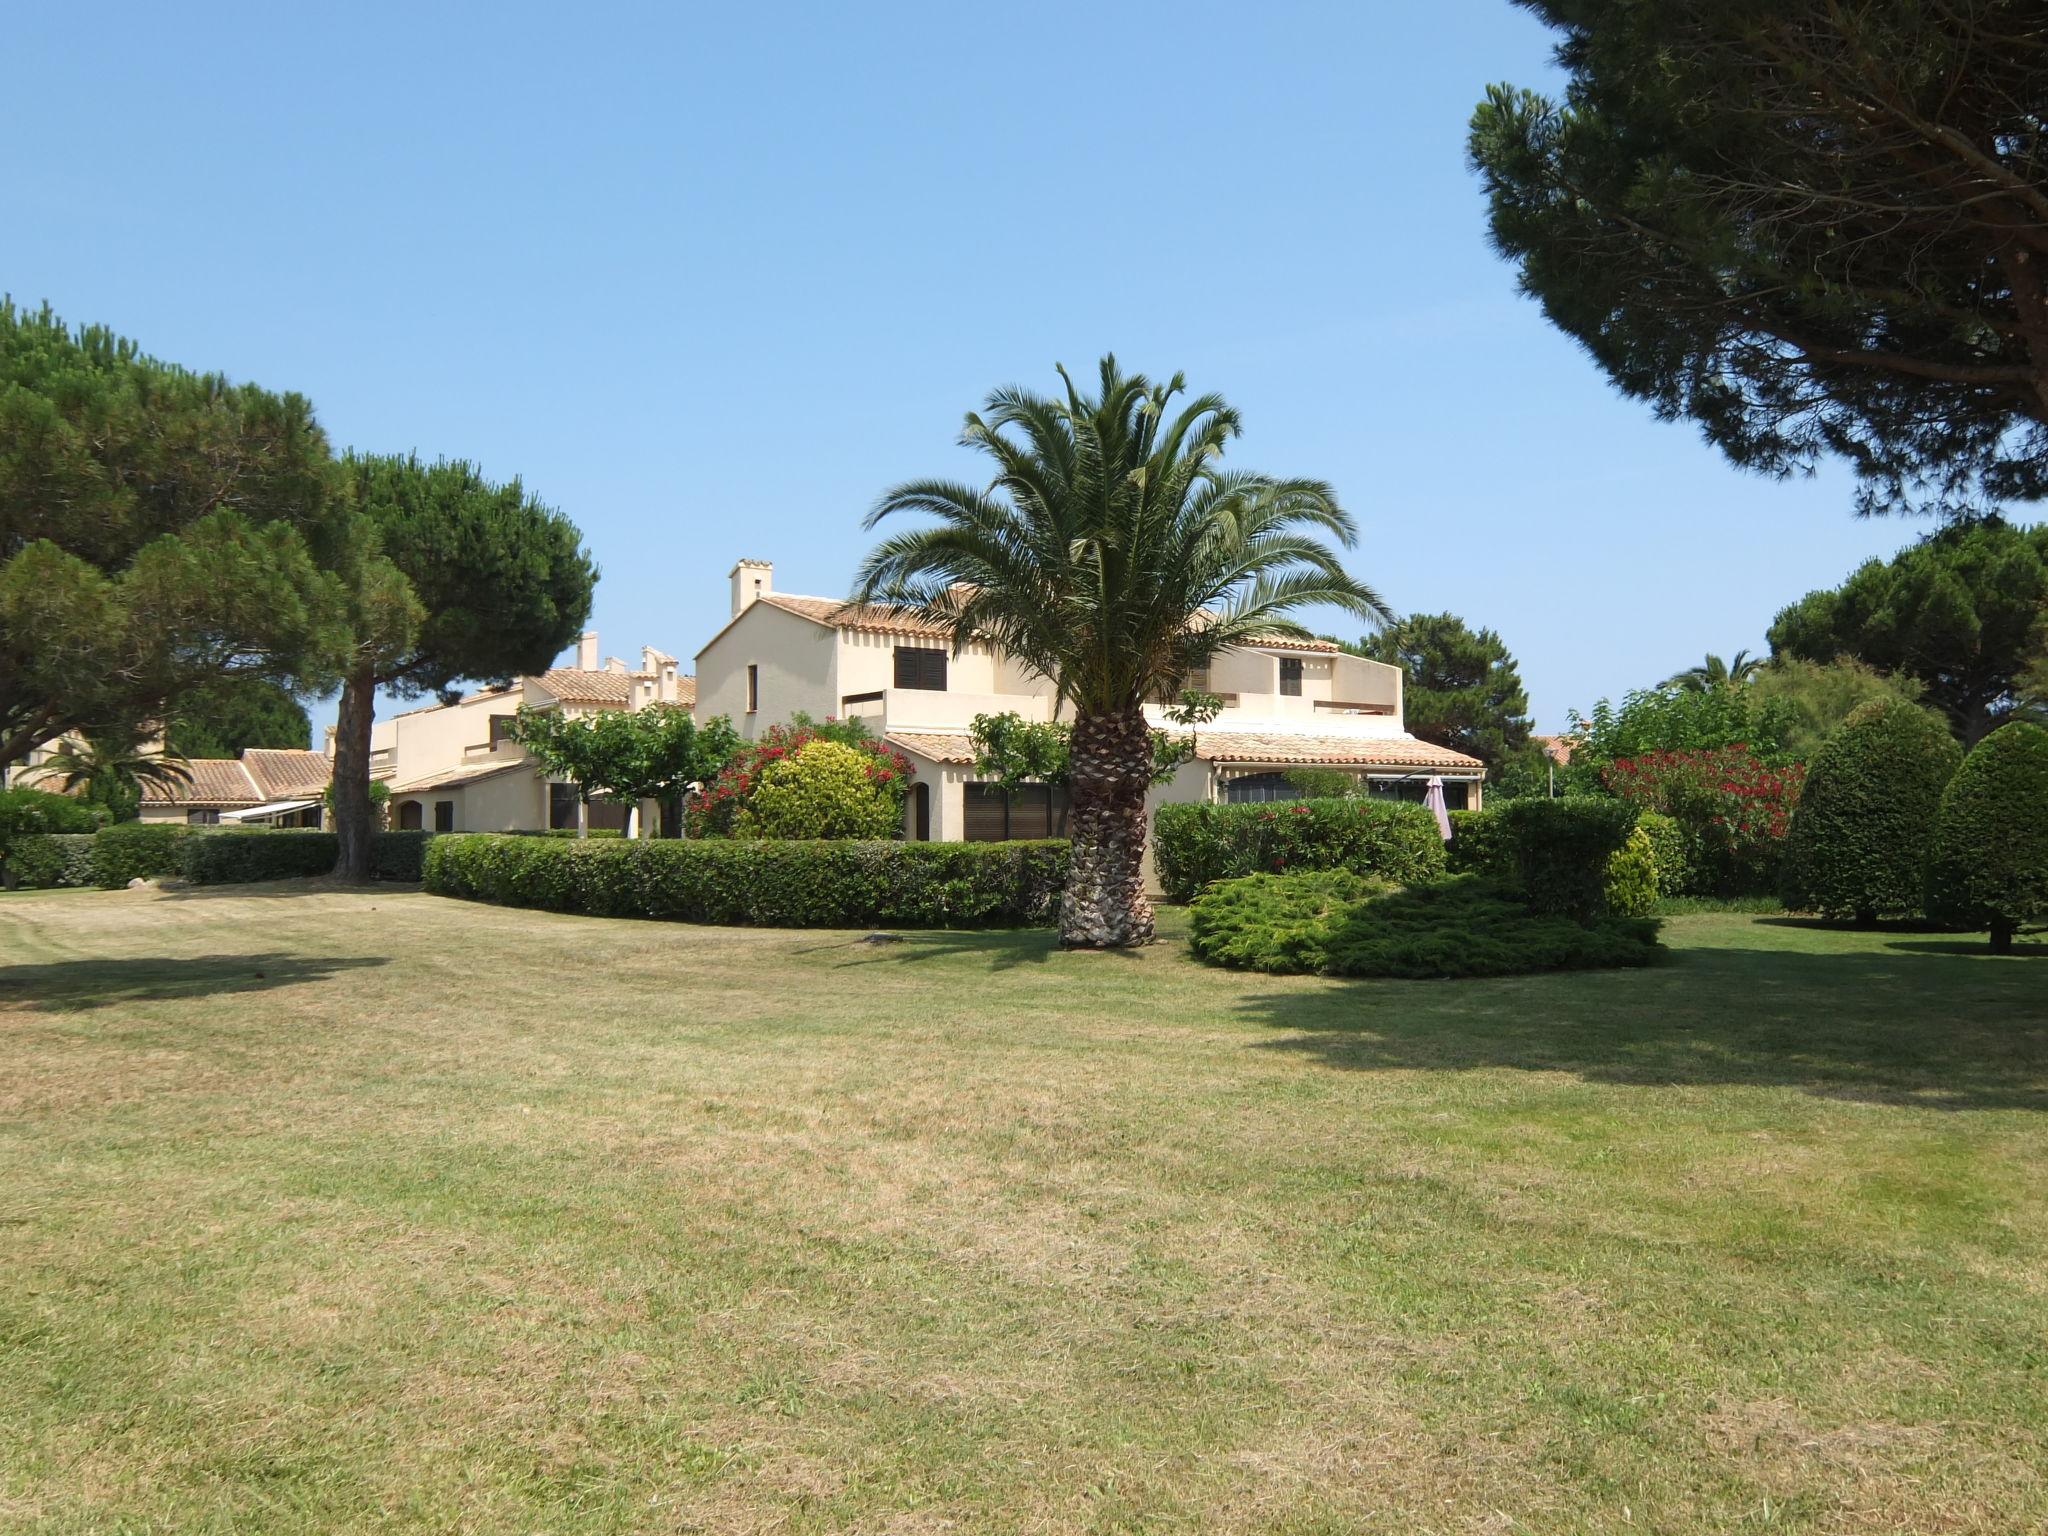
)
(411, 816)
(921, 812)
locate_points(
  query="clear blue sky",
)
(709, 278)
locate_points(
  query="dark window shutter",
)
(444, 815)
(1290, 676)
(1031, 811)
(919, 667)
(985, 813)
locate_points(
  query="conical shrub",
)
(1990, 863)
(1864, 827)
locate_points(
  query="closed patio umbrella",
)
(1433, 797)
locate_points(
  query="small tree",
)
(649, 754)
(1990, 863)
(1011, 750)
(1865, 821)
(826, 789)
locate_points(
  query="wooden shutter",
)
(986, 813)
(919, 667)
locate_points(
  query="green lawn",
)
(326, 1210)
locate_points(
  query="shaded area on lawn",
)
(1934, 1030)
(72, 984)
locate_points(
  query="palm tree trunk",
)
(353, 815)
(1109, 768)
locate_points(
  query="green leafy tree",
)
(111, 769)
(1010, 750)
(1815, 697)
(226, 717)
(1676, 720)
(1811, 228)
(1866, 817)
(1959, 611)
(1115, 555)
(1714, 673)
(469, 579)
(157, 532)
(1990, 863)
(824, 790)
(1461, 688)
(614, 754)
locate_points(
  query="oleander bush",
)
(1732, 809)
(760, 882)
(1386, 840)
(1989, 867)
(1333, 923)
(41, 860)
(1561, 851)
(1865, 823)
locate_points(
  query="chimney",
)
(586, 651)
(751, 579)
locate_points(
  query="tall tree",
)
(1960, 611)
(155, 533)
(1812, 228)
(1115, 556)
(470, 580)
(629, 755)
(226, 717)
(1715, 673)
(1460, 687)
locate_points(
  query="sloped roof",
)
(456, 778)
(875, 618)
(573, 685)
(686, 691)
(282, 773)
(1224, 746)
(215, 781)
(935, 746)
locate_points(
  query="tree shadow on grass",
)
(1001, 949)
(67, 986)
(1932, 1030)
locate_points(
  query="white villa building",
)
(1288, 704)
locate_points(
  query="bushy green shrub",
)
(1336, 924)
(137, 850)
(238, 858)
(1733, 810)
(760, 882)
(1561, 848)
(825, 790)
(1865, 822)
(33, 814)
(1990, 859)
(42, 860)
(1667, 852)
(1632, 877)
(1388, 840)
(1479, 844)
(399, 855)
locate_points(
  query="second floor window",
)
(1290, 676)
(753, 689)
(920, 668)
(501, 729)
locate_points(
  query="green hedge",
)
(1333, 923)
(137, 850)
(767, 883)
(237, 858)
(40, 860)
(1667, 852)
(1864, 826)
(1479, 845)
(1562, 849)
(1989, 868)
(1388, 840)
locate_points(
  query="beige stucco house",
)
(1288, 704)
(455, 768)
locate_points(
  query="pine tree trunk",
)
(1109, 768)
(354, 817)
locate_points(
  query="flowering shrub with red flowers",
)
(721, 809)
(1733, 808)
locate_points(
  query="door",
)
(921, 812)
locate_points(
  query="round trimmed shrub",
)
(1990, 863)
(1632, 876)
(825, 791)
(1865, 822)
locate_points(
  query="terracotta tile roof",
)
(455, 778)
(281, 773)
(1557, 748)
(1219, 746)
(573, 685)
(215, 781)
(1290, 643)
(874, 618)
(686, 691)
(935, 746)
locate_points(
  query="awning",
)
(263, 812)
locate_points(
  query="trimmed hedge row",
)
(1385, 839)
(760, 883)
(1482, 843)
(113, 856)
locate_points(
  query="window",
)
(1457, 793)
(444, 815)
(501, 729)
(202, 818)
(1290, 676)
(411, 818)
(753, 689)
(1257, 788)
(993, 815)
(917, 667)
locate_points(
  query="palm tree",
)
(1715, 674)
(1114, 555)
(111, 768)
